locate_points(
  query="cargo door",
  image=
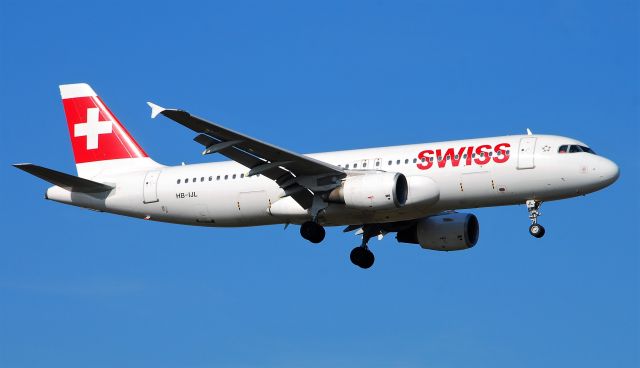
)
(476, 187)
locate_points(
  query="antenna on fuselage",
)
(529, 132)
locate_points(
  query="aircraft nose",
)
(608, 172)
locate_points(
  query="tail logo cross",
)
(92, 128)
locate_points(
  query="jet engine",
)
(372, 191)
(450, 231)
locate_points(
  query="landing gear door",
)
(525, 153)
(150, 188)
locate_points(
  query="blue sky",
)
(81, 289)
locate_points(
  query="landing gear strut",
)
(312, 231)
(361, 256)
(535, 229)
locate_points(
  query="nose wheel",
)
(536, 230)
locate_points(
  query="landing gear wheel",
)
(362, 257)
(536, 230)
(533, 207)
(312, 231)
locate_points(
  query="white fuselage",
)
(221, 194)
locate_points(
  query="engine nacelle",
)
(372, 191)
(451, 231)
(423, 191)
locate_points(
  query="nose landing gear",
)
(535, 229)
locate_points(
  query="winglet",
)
(155, 109)
(529, 132)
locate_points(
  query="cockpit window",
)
(587, 150)
(574, 148)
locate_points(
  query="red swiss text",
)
(480, 155)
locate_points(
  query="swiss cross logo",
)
(92, 128)
(96, 134)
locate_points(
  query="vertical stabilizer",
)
(101, 144)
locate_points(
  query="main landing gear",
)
(535, 229)
(361, 256)
(312, 231)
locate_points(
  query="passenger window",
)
(456, 157)
(415, 160)
(398, 162)
(226, 177)
(242, 175)
(423, 159)
(390, 162)
(355, 166)
(377, 163)
(439, 158)
(178, 181)
(562, 149)
(431, 159)
(210, 178)
(346, 166)
(186, 181)
(406, 161)
(195, 180)
(234, 176)
(202, 179)
(218, 177)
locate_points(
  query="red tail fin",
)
(96, 134)
(101, 144)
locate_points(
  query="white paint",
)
(76, 90)
(555, 176)
(526, 150)
(92, 128)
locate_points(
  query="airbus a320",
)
(411, 190)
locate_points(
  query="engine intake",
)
(372, 191)
(452, 231)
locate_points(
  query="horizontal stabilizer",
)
(66, 181)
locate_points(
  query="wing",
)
(298, 175)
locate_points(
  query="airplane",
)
(412, 190)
